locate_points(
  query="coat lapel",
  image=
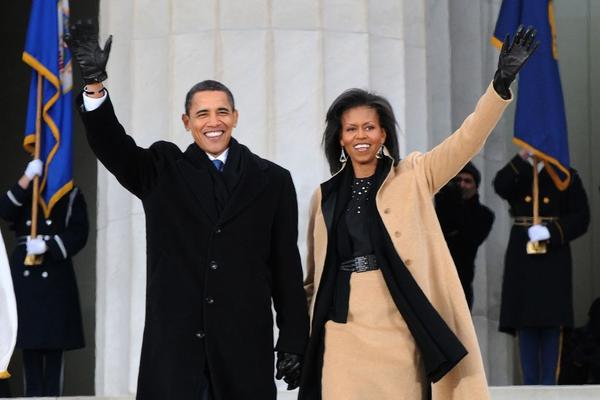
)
(194, 172)
(253, 181)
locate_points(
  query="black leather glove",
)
(83, 43)
(289, 367)
(512, 58)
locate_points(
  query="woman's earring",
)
(379, 152)
(343, 157)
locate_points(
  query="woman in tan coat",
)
(388, 315)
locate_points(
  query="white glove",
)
(34, 168)
(538, 233)
(36, 246)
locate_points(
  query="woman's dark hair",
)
(207, 86)
(352, 98)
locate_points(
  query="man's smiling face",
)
(211, 119)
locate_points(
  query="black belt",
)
(360, 264)
(528, 221)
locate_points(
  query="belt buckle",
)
(361, 264)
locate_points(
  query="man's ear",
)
(186, 121)
(235, 117)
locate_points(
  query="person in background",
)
(465, 222)
(48, 308)
(537, 289)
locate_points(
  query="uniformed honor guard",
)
(537, 298)
(49, 314)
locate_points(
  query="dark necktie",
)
(218, 165)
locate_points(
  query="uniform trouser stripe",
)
(560, 348)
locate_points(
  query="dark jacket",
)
(537, 289)
(49, 313)
(210, 279)
(465, 224)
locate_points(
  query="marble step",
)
(587, 392)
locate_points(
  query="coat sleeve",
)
(288, 296)
(12, 203)
(478, 229)
(67, 243)
(309, 280)
(444, 161)
(513, 179)
(134, 167)
(575, 218)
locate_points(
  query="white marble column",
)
(285, 61)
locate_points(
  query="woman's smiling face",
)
(362, 136)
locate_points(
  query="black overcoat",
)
(537, 289)
(465, 224)
(49, 313)
(210, 280)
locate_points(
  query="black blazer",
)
(210, 280)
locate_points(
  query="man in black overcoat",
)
(48, 308)
(537, 298)
(221, 232)
(465, 223)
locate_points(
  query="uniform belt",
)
(528, 221)
(360, 264)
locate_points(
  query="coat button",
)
(46, 238)
(209, 300)
(48, 222)
(218, 230)
(527, 199)
(214, 265)
(28, 222)
(26, 273)
(546, 200)
(44, 274)
(200, 335)
(397, 234)
(387, 211)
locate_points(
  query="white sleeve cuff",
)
(91, 103)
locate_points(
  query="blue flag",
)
(540, 121)
(48, 56)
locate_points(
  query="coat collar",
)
(330, 188)
(195, 170)
(253, 181)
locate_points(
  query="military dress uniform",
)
(537, 289)
(49, 312)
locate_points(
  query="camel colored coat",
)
(405, 203)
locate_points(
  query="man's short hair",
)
(207, 86)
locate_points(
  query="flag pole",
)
(33, 259)
(536, 247)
